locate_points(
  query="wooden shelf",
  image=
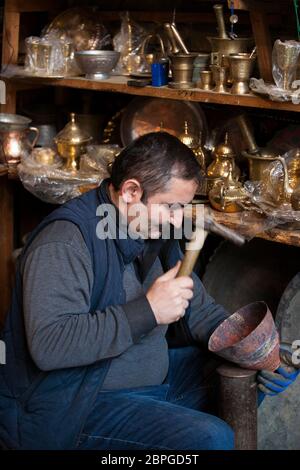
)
(233, 221)
(118, 84)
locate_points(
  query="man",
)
(95, 306)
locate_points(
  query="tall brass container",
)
(71, 144)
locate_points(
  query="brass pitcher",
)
(285, 186)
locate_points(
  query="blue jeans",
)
(177, 415)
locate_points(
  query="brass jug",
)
(286, 185)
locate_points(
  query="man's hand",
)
(169, 296)
(272, 383)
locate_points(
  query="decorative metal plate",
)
(144, 115)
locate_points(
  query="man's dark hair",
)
(153, 160)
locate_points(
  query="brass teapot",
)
(71, 143)
(226, 195)
(223, 161)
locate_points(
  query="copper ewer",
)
(248, 338)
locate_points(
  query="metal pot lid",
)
(144, 115)
(13, 122)
(72, 133)
(187, 138)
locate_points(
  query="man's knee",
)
(212, 434)
(220, 436)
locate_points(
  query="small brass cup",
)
(206, 80)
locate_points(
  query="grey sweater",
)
(61, 332)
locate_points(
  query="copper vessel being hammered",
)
(248, 338)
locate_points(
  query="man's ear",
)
(131, 191)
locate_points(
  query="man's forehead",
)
(179, 191)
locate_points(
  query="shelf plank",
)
(118, 84)
(233, 221)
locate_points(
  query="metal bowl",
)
(97, 65)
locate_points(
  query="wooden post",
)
(6, 244)
(263, 43)
(10, 39)
(6, 221)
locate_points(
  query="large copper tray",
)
(144, 115)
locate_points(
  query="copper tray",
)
(144, 115)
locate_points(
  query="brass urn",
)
(194, 143)
(71, 143)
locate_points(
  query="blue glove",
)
(272, 383)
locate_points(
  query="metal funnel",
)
(248, 338)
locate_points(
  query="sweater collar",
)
(129, 247)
